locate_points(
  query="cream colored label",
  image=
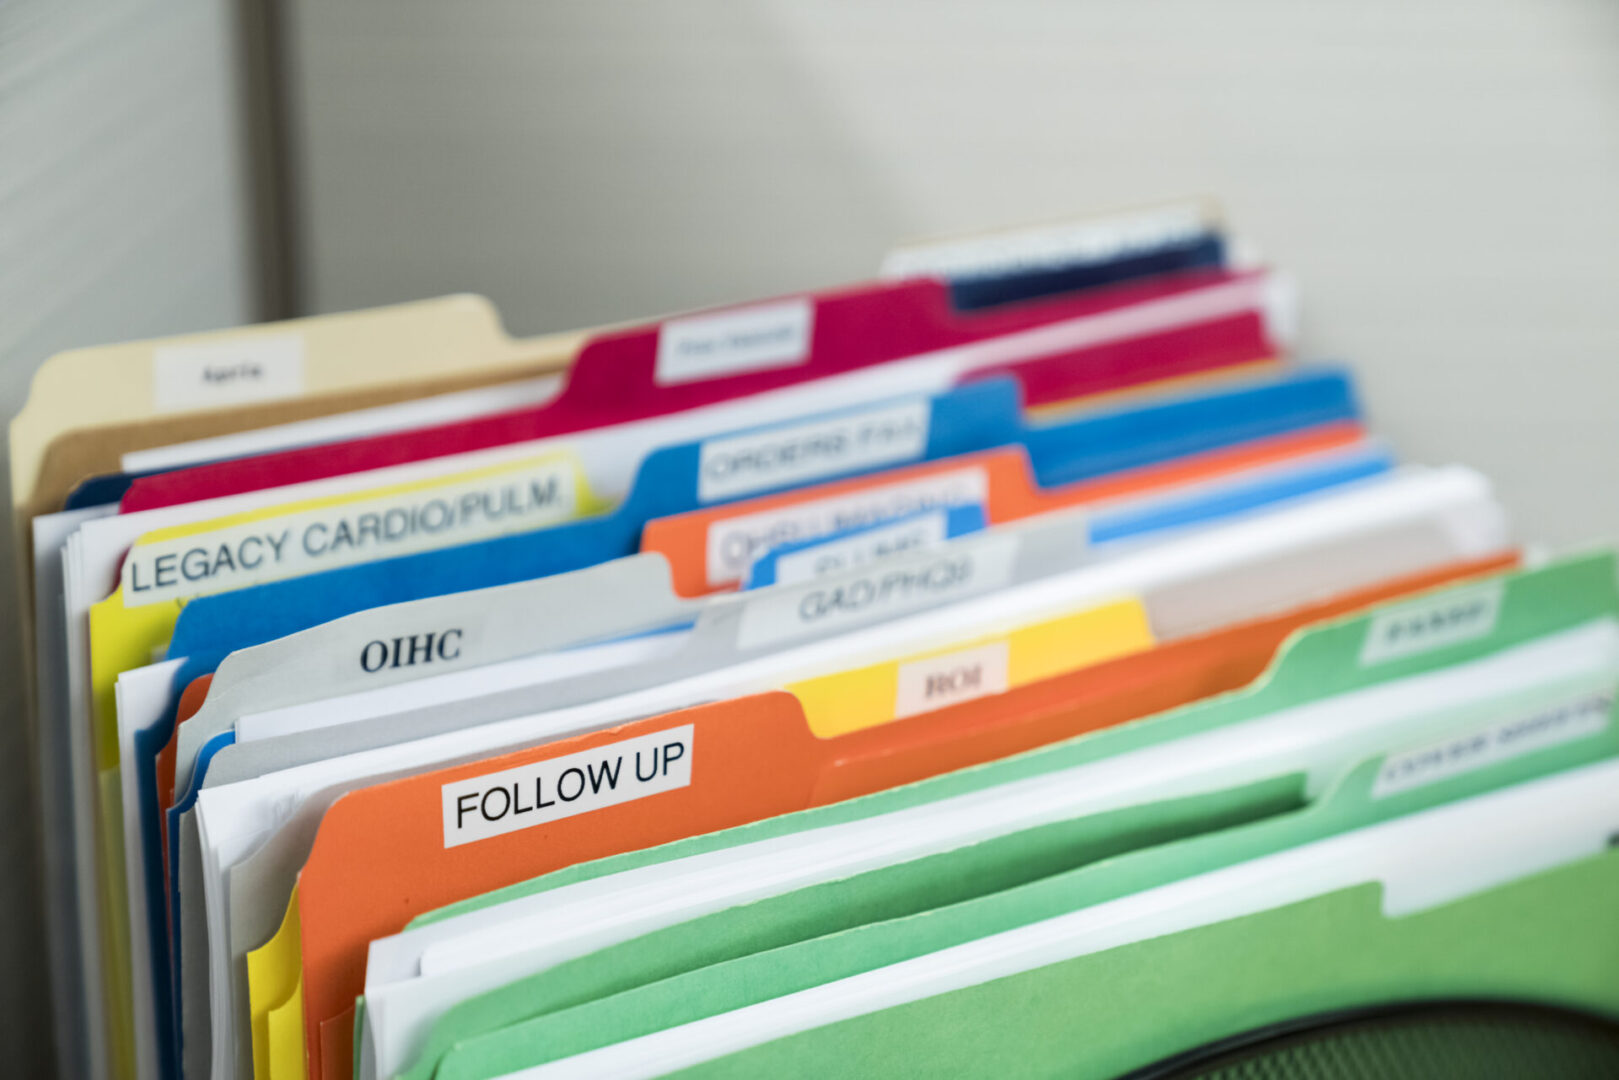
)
(733, 543)
(216, 374)
(733, 342)
(940, 681)
(563, 787)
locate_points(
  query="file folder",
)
(1099, 697)
(128, 626)
(656, 665)
(711, 548)
(1426, 692)
(572, 665)
(88, 406)
(1015, 664)
(212, 624)
(420, 412)
(957, 914)
(971, 417)
(1409, 524)
(125, 629)
(674, 478)
(134, 498)
(142, 612)
(505, 852)
(317, 598)
(134, 501)
(857, 334)
(106, 540)
(1364, 918)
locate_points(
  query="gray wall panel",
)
(122, 215)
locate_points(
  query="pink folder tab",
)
(1069, 345)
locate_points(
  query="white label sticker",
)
(843, 602)
(207, 376)
(1075, 243)
(1450, 618)
(862, 548)
(938, 681)
(1585, 715)
(733, 543)
(562, 787)
(799, 453)
(363, 530)
(731, 342)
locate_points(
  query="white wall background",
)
(1442, 176)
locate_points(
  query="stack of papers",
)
(1020, 663)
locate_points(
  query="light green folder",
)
(738, 983)
(1339, 658)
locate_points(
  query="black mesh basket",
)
(1486, 1040)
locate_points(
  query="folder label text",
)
(207, 376)
(800, 453)
(562, 787)
(735, 542)
(861, 549)
(756, 338)
(1451, 618)
(950, 679)
(411, 650)
(1574, 719)
(843, 601)
(346, 533)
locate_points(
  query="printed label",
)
(733, 543)
(751, 339)
(410, 650)
(1448, 619)
(1076, 243)
(207, 376)
(861, 549)
(343, 534)
(1585, 715)
(562, 787)
(925, 685)
(884, 591)
(372, 651)
(798, 453)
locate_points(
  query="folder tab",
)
(876, 694)
(280, 542)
